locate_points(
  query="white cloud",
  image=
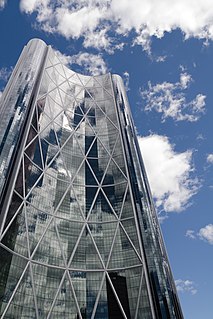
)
(169, 99)
(210, 158)
(200, 137)
(185, 79)
(92, 64)
(5, 73)
(169, 173)
(185, 286)
(2, 4)
(191, 234)
(99, 40)
(206, 233)
(147, 18)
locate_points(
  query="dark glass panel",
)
(118, 281)
(12, 267)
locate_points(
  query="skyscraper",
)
(79, 234)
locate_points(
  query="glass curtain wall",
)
(79, 234)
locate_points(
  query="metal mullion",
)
(47, 94)
(74, 135)
(115, 215)
(111, 155)
(44, 128)
(112, 245)
(34, 186)
(26, 225)
(130, 241)
(68, 78)
(79, 206)
(96, 104)
(14, 291)
(61, 154)
(70, 184)
(25, 155)
(134, 209)
(21, 206)
(56, 296)
(74, 295)
(13, 252)
(98, 296)
(102, 179)
(27, 121)
(84, 85)
(41, 238)
(70, 135)
(41, 151)
(34, 291)
(33, 139)
(11, 221)
(60, 244)
(51, 218)
(97, 138)
(110, 159)
(84, 225)
(61, 148)
(53, 80)
(96, 79)
(51, 214)
(57, 72)
(76, 245)
(124, 268)
(119, 169)
(63, 66)
(139, 294)
(124, 199)
(116, 296)
(93, 203)
(74, 96)
(96, 247)
(62, 104)
(91, 145)
(91, 170)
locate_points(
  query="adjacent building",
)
(79, 236)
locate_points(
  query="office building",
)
(79, 235)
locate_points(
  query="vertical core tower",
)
(79, 236)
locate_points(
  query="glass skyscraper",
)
(79, 236)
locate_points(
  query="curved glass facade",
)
(79, 234)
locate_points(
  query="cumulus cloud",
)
(102, 18)
(169, 99)
(5, 73)
(206, 233)
(190, 234)
(2, 4)
(210, 158)
(92, 64)
(169, 173)
(186, 286)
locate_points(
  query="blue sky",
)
(164, 52)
